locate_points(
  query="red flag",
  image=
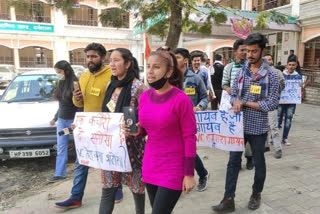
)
(147, 51)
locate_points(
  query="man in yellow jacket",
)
(89, 96)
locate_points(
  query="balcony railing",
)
(79, 61)
(5, 16)
(270, 4)
(43, 19)
(27, 62)
(82, 22)
(6, 60)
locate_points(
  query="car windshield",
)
(26, 88)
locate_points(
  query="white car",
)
(26, 108)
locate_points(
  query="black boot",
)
(225, 206)
(250, 163)
(255, 200)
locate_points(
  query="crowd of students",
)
(164, 164)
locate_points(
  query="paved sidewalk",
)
(292, 184)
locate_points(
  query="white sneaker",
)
(285, 141)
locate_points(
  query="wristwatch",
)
(244, 103)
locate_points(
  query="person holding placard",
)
(64, 117)
(124, 90)
(166, 115)
(89, 96)
(287, 110)
(229, 73)
(255, 93)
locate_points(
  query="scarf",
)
(124, 98)
(262, 76)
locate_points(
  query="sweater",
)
(93, 88)
(170, 124)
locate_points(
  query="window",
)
(312, 54)
(260, 5)
(4, 10)
(35, 12)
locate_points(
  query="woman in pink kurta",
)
(166, 115)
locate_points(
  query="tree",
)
(178, 20)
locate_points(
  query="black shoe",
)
(56, 178)
(202, 185)
(250, 163)
(254, 202)
(225, 206)
(267, 149)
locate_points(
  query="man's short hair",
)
(267, 54)
(292, 60)
(96, 47)
(256, 39)
(237, 44)
(196, 54)
(218, 57)
(183, 52)
(292, 51)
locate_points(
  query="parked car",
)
(78, 70)
(7, 73)
(27, 107)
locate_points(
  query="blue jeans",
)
(62, 148)
(286, 110)
(257, 143)
(201, 171)
(80, 175)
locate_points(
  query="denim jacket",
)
(195, 89)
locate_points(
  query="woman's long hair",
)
(65, 87)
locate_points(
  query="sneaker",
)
(56, 178)
(278, 154)
(249, 164)
(286, 142)
(254, 202)
(69, 204)
(119, 195)
(225, 206)
(203, 183)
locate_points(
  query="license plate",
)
(29, 153)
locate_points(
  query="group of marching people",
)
(164, 162)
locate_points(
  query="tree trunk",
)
(175, 27)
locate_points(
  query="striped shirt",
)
(228, 77)
(256, 122)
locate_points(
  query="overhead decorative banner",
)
(220, 129)
(242, 27)
(291, 94)
(100, 142)
(225, 104)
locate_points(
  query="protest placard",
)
(220, 129)
(100, 142)
(225, 104)
(291, 94)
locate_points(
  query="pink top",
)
(170, 124)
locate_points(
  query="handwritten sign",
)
(291, 94)
(100, 142)
(220, 129)
(225, 104)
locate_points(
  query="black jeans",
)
(257, 143)
(216, 101)
(201, 171)
(107, 201)
(162, 199)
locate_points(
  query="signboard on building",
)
(26, 27)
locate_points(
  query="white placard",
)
(291, 94)
(100, 142)
(225, 104)
(220, 129)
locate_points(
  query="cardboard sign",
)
(220, 129)
(100, 142)
(291, 94)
